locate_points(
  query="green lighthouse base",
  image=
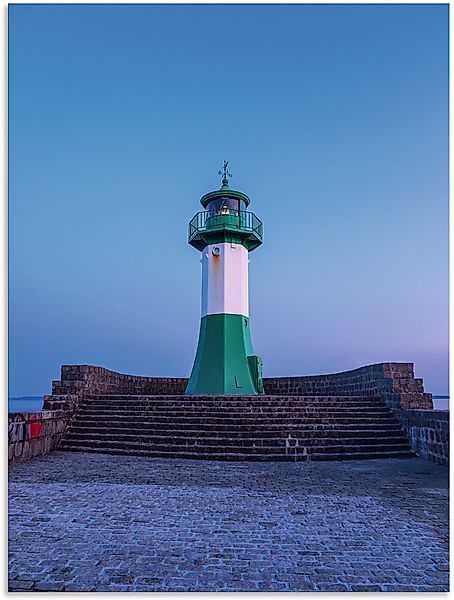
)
(225, 363)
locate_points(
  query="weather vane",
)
(225, 172)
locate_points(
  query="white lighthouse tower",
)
(225, 232)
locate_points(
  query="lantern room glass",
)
(225, 206)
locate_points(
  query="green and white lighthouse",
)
(225, 232)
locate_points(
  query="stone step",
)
(243, 420)
(241, 456)
(235, 446)
(234, 398)
(237, 414)
(363, 456)
(232, 405)
(207, 401)
(242, 429)
(300, 432)
(180, 409)
(216, 420)
(219, 410)
(237, 427)
(224, 441)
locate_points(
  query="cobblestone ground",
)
(108, 523)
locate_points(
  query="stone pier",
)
(96, 522)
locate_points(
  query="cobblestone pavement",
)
(109, 523)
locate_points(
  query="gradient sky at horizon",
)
(335, 122)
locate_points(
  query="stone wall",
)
(428, 432)
(394, 382)
(34, 434)
(78, 381)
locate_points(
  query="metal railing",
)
(218, 219)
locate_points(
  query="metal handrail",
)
(242, 220)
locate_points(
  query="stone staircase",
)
(260, 428)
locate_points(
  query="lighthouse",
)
(225, 232)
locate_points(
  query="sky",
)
(335, 121)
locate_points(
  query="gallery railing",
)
(225, 218)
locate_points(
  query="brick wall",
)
(78, 381)
(34, 434)
(428, 432)
(394, 382)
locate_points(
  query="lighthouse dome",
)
(225, 195)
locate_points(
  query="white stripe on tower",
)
(225, 280)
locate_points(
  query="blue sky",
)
(335, 122)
